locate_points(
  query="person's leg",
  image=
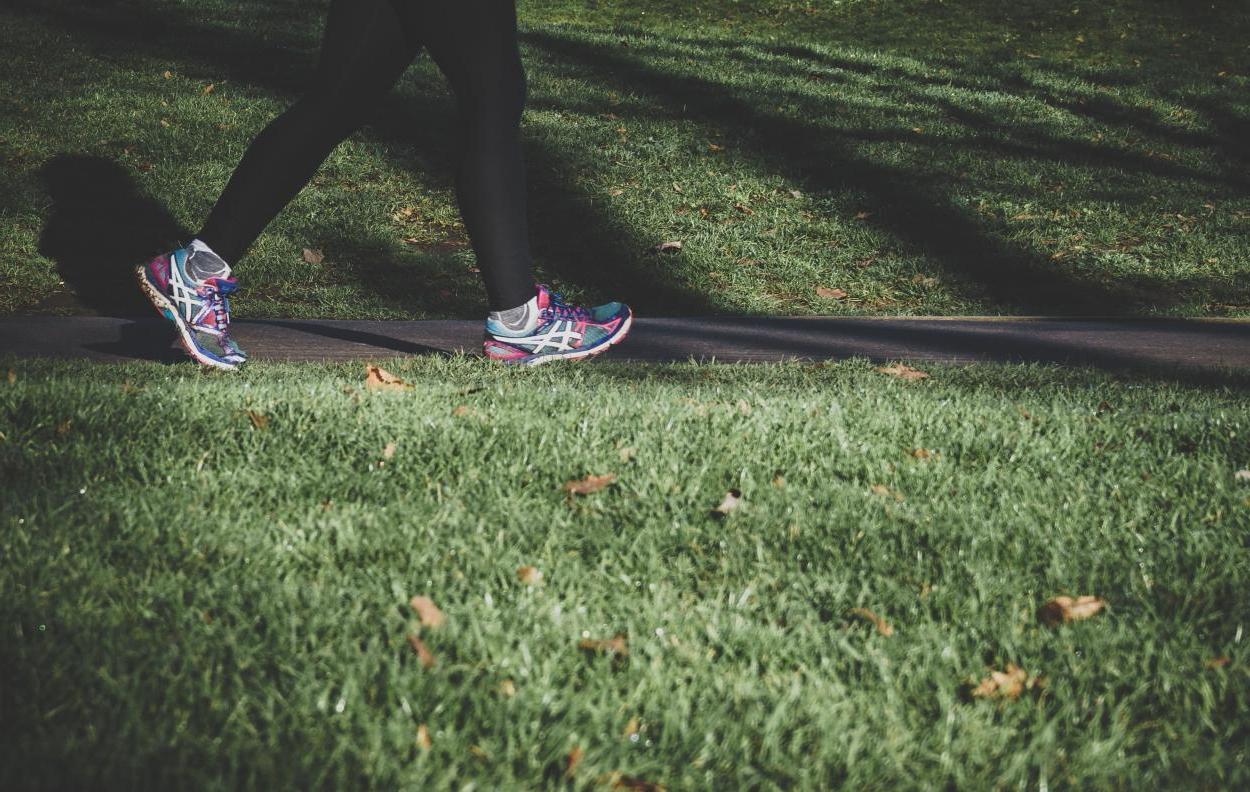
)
(364, 52)
(474, 43)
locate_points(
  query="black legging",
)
(367, 46)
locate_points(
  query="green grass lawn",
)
(205, 579)
(924, 157)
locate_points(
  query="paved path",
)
(1109, 343)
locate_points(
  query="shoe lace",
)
(220, 307)
(559, 309)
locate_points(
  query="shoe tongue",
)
(544, 297)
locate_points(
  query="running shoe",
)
(564, 331)
(199, 309)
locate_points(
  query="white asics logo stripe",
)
(559, 337)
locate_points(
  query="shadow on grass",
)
(101, 225)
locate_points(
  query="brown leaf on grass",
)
(313, 256)
(1217, 662)
(667, 247)
(923, 453)
(259, 420)
(63, 427)
(462, 411)
(731, 501)
(589, 484)
(631, 728)
(885, 492)
(1060, 610)
(389, 451)
(1242, 475)
(610, 646)
(169, 75)
(795, 194)
(1007, 684)
(423, 738)
(831, 294)
(863, 215)
(507, 688)
(903, 372)
(208, 89)
(715, 147)
(881, 624)
(530, 576)
(627, 453)
(746, 210)
(429, 613)
(378, 378)
(424, 655)
(574, 759)
(12, 376)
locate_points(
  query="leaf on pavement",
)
(1060, 610)
(881, 624)
(429, 613)
(313, 256)
(424, 655)
(530, 576)
(589, 484)
(903, 372)
(1007, 684)
(378, 378)
(609, 646)
(731, 501)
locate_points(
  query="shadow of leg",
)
(99, 227)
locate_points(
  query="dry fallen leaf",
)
(424, 655)
(169, 75)
(863, 215)
(208, 89)
(627, 453)
(903, 372)
(665, 247)
(830, 294)
(730, 502)
(12, 376)
(462, 411)
(530, 576)
(507, 688)
(313, 256)
(714, 147)
(378, 378)
(923, 453)
(613, 646)
(389, 451)
(423, 738)
(1060, 610)
(589, 484)
(746, 210)
(430, 615)
(1007, 684)
(881, 624)
(1217, 662)
(575, 758)
(1242, 475)
(885, 492)
(631, 728)
(259, 420)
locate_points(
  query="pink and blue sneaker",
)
(563, 331)
(198, 307)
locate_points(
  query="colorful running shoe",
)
(563, 331)
(199, 309)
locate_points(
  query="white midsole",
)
(616, 338)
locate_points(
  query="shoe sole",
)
(582, 354)
(166, 309)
